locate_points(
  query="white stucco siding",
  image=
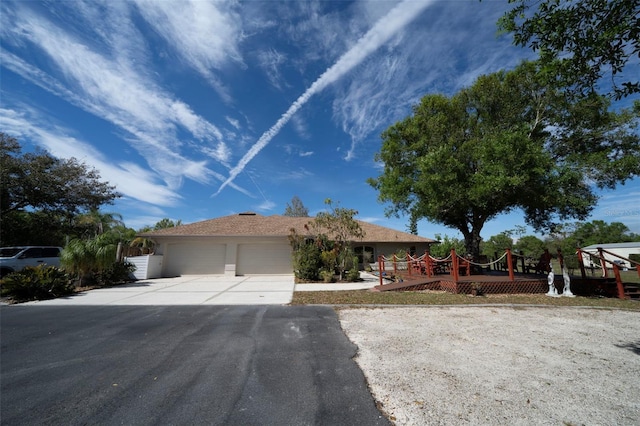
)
(265, 258)
(194, 258)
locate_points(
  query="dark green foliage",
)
(569, 237)
(530, 246)
(166, 223)
(296, 208)
(40, 195)
(307, 261)
(338, 228)
(116, 273)
(581, 41)
(40, 283)
(352, 275)
(446, 244)
(326, 249)
(510, 141)
(497, 244)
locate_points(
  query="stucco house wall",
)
(249, 244)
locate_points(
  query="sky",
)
(196, 110)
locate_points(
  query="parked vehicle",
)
(14, 259)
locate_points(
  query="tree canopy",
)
(40, 194)
(582, 234)
(296, 208)
(509, 141)
(327, 245)
(580, 41)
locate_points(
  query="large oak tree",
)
(507, 142)
(40, 195)
(581, 41)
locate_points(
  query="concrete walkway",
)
(368, 281)
(188, 290)
(204, 290)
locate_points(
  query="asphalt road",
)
(143, 365)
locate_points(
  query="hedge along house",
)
(252, 244)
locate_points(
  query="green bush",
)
(327, 276)
(39, 283)
(307, 262)
(116, 273)
(353, 275)
(329, 259)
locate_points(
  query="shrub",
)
(116, 273)
(353, 275)
(327, 276)
(307, 262)
(329, 259)
(36, 283)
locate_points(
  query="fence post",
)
(603, 263)
(409, 265)
(454, 265)
(560, 259)
(619, 286)
(395, 266)
(380, 266)
(581, 263)
(510, 265)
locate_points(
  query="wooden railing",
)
(603, 263)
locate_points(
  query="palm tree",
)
(98, 222)
(84, 258)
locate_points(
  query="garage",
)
(251, 244)
(195, 258)
(264, 259)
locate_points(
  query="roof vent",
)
(247, 214)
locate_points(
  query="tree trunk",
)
(472, 242)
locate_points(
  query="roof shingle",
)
(255, 225)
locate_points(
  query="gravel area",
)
(500, 365)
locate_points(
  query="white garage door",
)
(195, 259)
(254, 259)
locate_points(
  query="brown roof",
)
(255, 225)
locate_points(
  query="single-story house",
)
(625, 250)
(252, 244)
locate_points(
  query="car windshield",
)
(9, 251)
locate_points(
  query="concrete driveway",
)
(188, 290)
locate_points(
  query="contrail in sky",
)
(379, 34)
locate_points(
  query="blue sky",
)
(201, 109)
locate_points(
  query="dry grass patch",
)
(366, 297)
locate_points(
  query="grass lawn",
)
(365, 297)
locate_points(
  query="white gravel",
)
(500, 365)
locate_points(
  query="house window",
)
(365, 254)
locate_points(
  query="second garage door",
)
(254, 259)
(195, 259)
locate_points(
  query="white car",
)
(14, 259)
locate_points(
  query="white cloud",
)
(119, 91)
(369, 219)
(379, 34)
(205, 33)
(270, 61)
(235, 123)
(300, 126)
(385, 87)
(129, 179)
(265, 206)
